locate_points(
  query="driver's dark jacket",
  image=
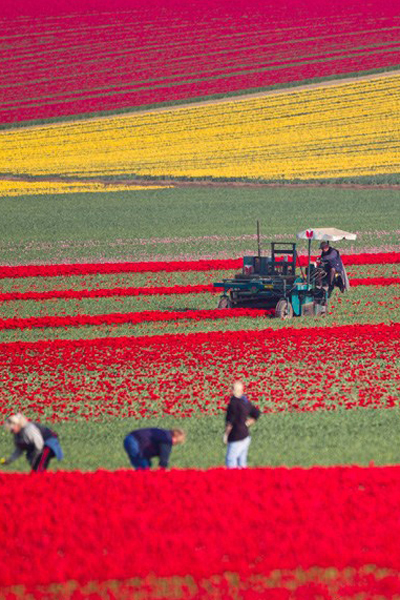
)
(331, 260)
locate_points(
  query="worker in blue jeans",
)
(240, 415)
(142, 445)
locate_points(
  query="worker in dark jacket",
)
(142, 445)
(240, 415)
(333, 268)
(39, 443)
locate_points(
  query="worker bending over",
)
(39, 443)
(142, 445)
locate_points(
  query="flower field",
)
(75, 300)
(140, 144)
(72, 306)
(350, 514)
(186, 374)
(98, 349)
(304, 134)
(77, 59)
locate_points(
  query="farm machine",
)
(279, 282)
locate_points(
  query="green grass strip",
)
(357, 436)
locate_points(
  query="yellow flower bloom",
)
(33, 188)
(342, 130)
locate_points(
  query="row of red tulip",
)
(109, 292)
(145, 316)
(156, 291)
(170, 266)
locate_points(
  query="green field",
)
(323, 438)
(188, 222)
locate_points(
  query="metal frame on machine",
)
(285, 252)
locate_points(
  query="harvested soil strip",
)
(108, 185)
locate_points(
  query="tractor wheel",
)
(283, 310)
(224, 302)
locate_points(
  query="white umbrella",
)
(326, 234)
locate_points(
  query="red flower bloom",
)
(154, 267)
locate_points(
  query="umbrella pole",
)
(309, 262)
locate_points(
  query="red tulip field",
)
(185, 374)
(319, 533)
(150, 154)
(146, 55)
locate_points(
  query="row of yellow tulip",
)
(36, 188)
(348, 129)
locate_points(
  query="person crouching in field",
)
(142, 445)
(240, 415)
(39, 443)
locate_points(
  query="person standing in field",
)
(240, 415)
(39, 443)
(142, 445)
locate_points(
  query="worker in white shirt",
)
(39, 443)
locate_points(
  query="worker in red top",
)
(240, 415)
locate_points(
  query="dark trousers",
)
(138, 461)
(42, 461)
(331, 277)
(326, 276)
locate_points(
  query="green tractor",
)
(279, 282)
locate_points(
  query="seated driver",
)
(331, 263)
